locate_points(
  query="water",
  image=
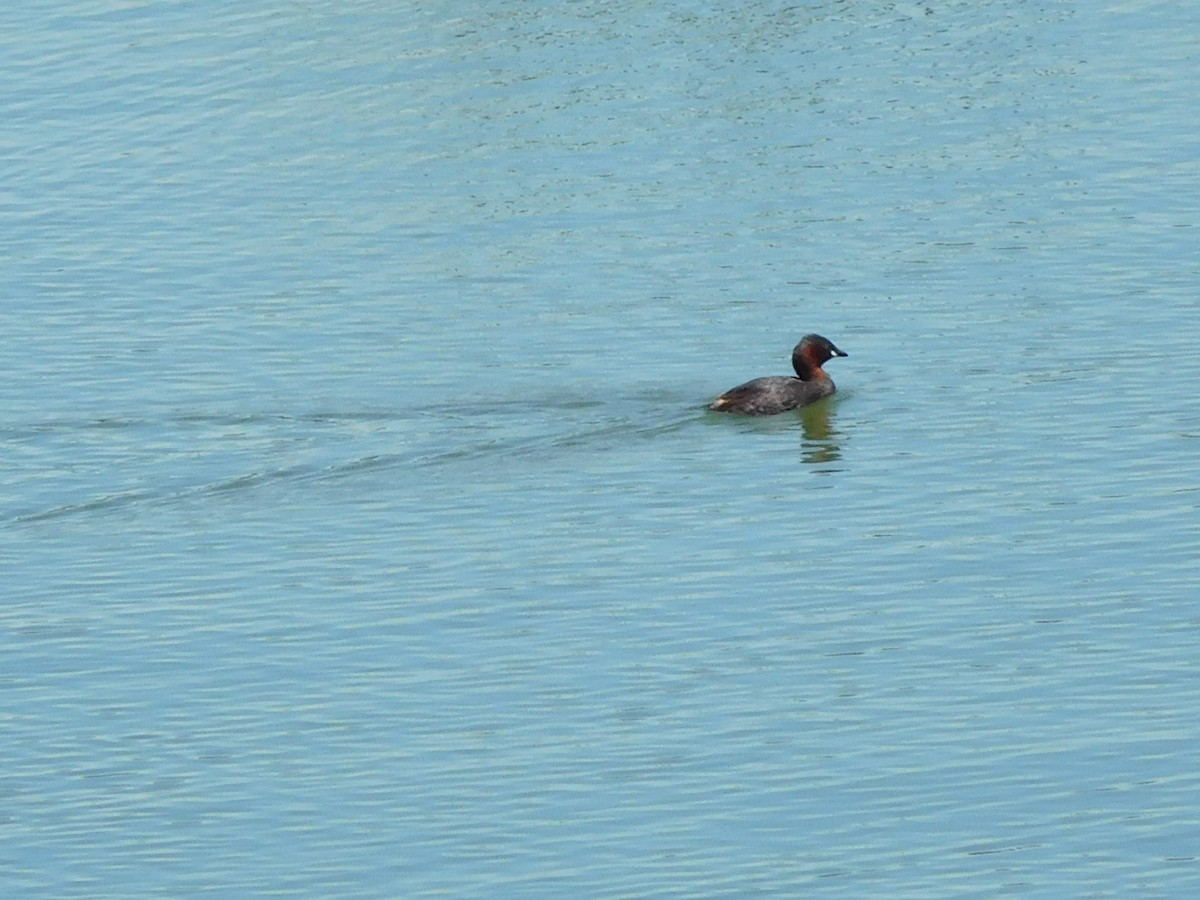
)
(363, 528)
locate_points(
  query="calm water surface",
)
(365, 533)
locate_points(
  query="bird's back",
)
(772, 394)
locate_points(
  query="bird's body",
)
(775, 394)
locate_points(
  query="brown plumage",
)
(778, 393)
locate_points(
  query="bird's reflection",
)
(821, 446)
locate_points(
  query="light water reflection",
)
(359, 485)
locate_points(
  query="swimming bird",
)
(779, 393)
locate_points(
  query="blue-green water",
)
(363, 529)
